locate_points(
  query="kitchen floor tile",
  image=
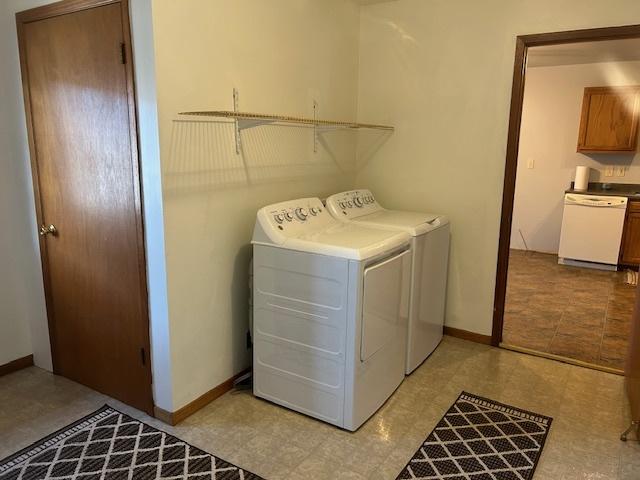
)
(579, 313)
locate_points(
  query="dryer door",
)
(384, 303)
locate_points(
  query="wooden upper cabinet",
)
(609, 120)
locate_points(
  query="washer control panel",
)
(352, 204)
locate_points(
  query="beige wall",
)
(280, 55)
(441, 72)
(548, 137)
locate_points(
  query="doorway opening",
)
(566, 274)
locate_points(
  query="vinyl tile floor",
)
(579, 313)
(588, 406)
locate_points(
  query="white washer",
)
(330, 313)
(429, 264)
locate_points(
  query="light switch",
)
(620, 171)
(530, 163)
(608, 172)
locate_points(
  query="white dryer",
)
(429, 264)
(330, 312)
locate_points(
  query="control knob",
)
(288, 216)
(358, 202)
(302, 214)
(278, 217)
(314, 211)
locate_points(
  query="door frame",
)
(523, 43)
(52, 10)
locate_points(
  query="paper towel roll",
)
(581, 181)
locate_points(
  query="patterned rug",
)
(479, 439)
(109, 445)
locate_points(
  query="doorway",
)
(542, 304)
(77, 76)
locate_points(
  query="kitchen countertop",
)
(629, 190)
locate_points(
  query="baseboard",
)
(524, 252)
(173, 418)
(163, 415)
(15, 365)
(466, 335)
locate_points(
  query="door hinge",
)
(143, 356)
(123, 53)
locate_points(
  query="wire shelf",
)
(257, 119)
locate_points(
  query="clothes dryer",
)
(330, 312)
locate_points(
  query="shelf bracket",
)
(315, 127)
(236, 122)
(245, 124)
(240, 124)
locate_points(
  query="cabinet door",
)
(631, 238)
(632, 369)
(609, 120)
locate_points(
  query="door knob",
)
(51, 229)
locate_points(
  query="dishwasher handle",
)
(595, 201)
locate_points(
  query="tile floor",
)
(579, 313)
(588, 407)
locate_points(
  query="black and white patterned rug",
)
(109, 445)
(479, 439)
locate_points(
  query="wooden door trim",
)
(48, 11)
(60, 8)
(138, 196)
(523, 43)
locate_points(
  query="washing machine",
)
(330, 312)
(429, 264)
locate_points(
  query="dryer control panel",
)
(294, 218)
(352, 204)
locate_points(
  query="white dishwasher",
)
(591, 230)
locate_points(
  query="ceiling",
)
(585, 52)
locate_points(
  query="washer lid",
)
(305, 225)
(360, 206)
(414, 223)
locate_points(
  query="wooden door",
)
(78, 87)
(609, 121)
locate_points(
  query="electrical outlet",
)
(531, 163)
(608, 172)
(620, 171)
